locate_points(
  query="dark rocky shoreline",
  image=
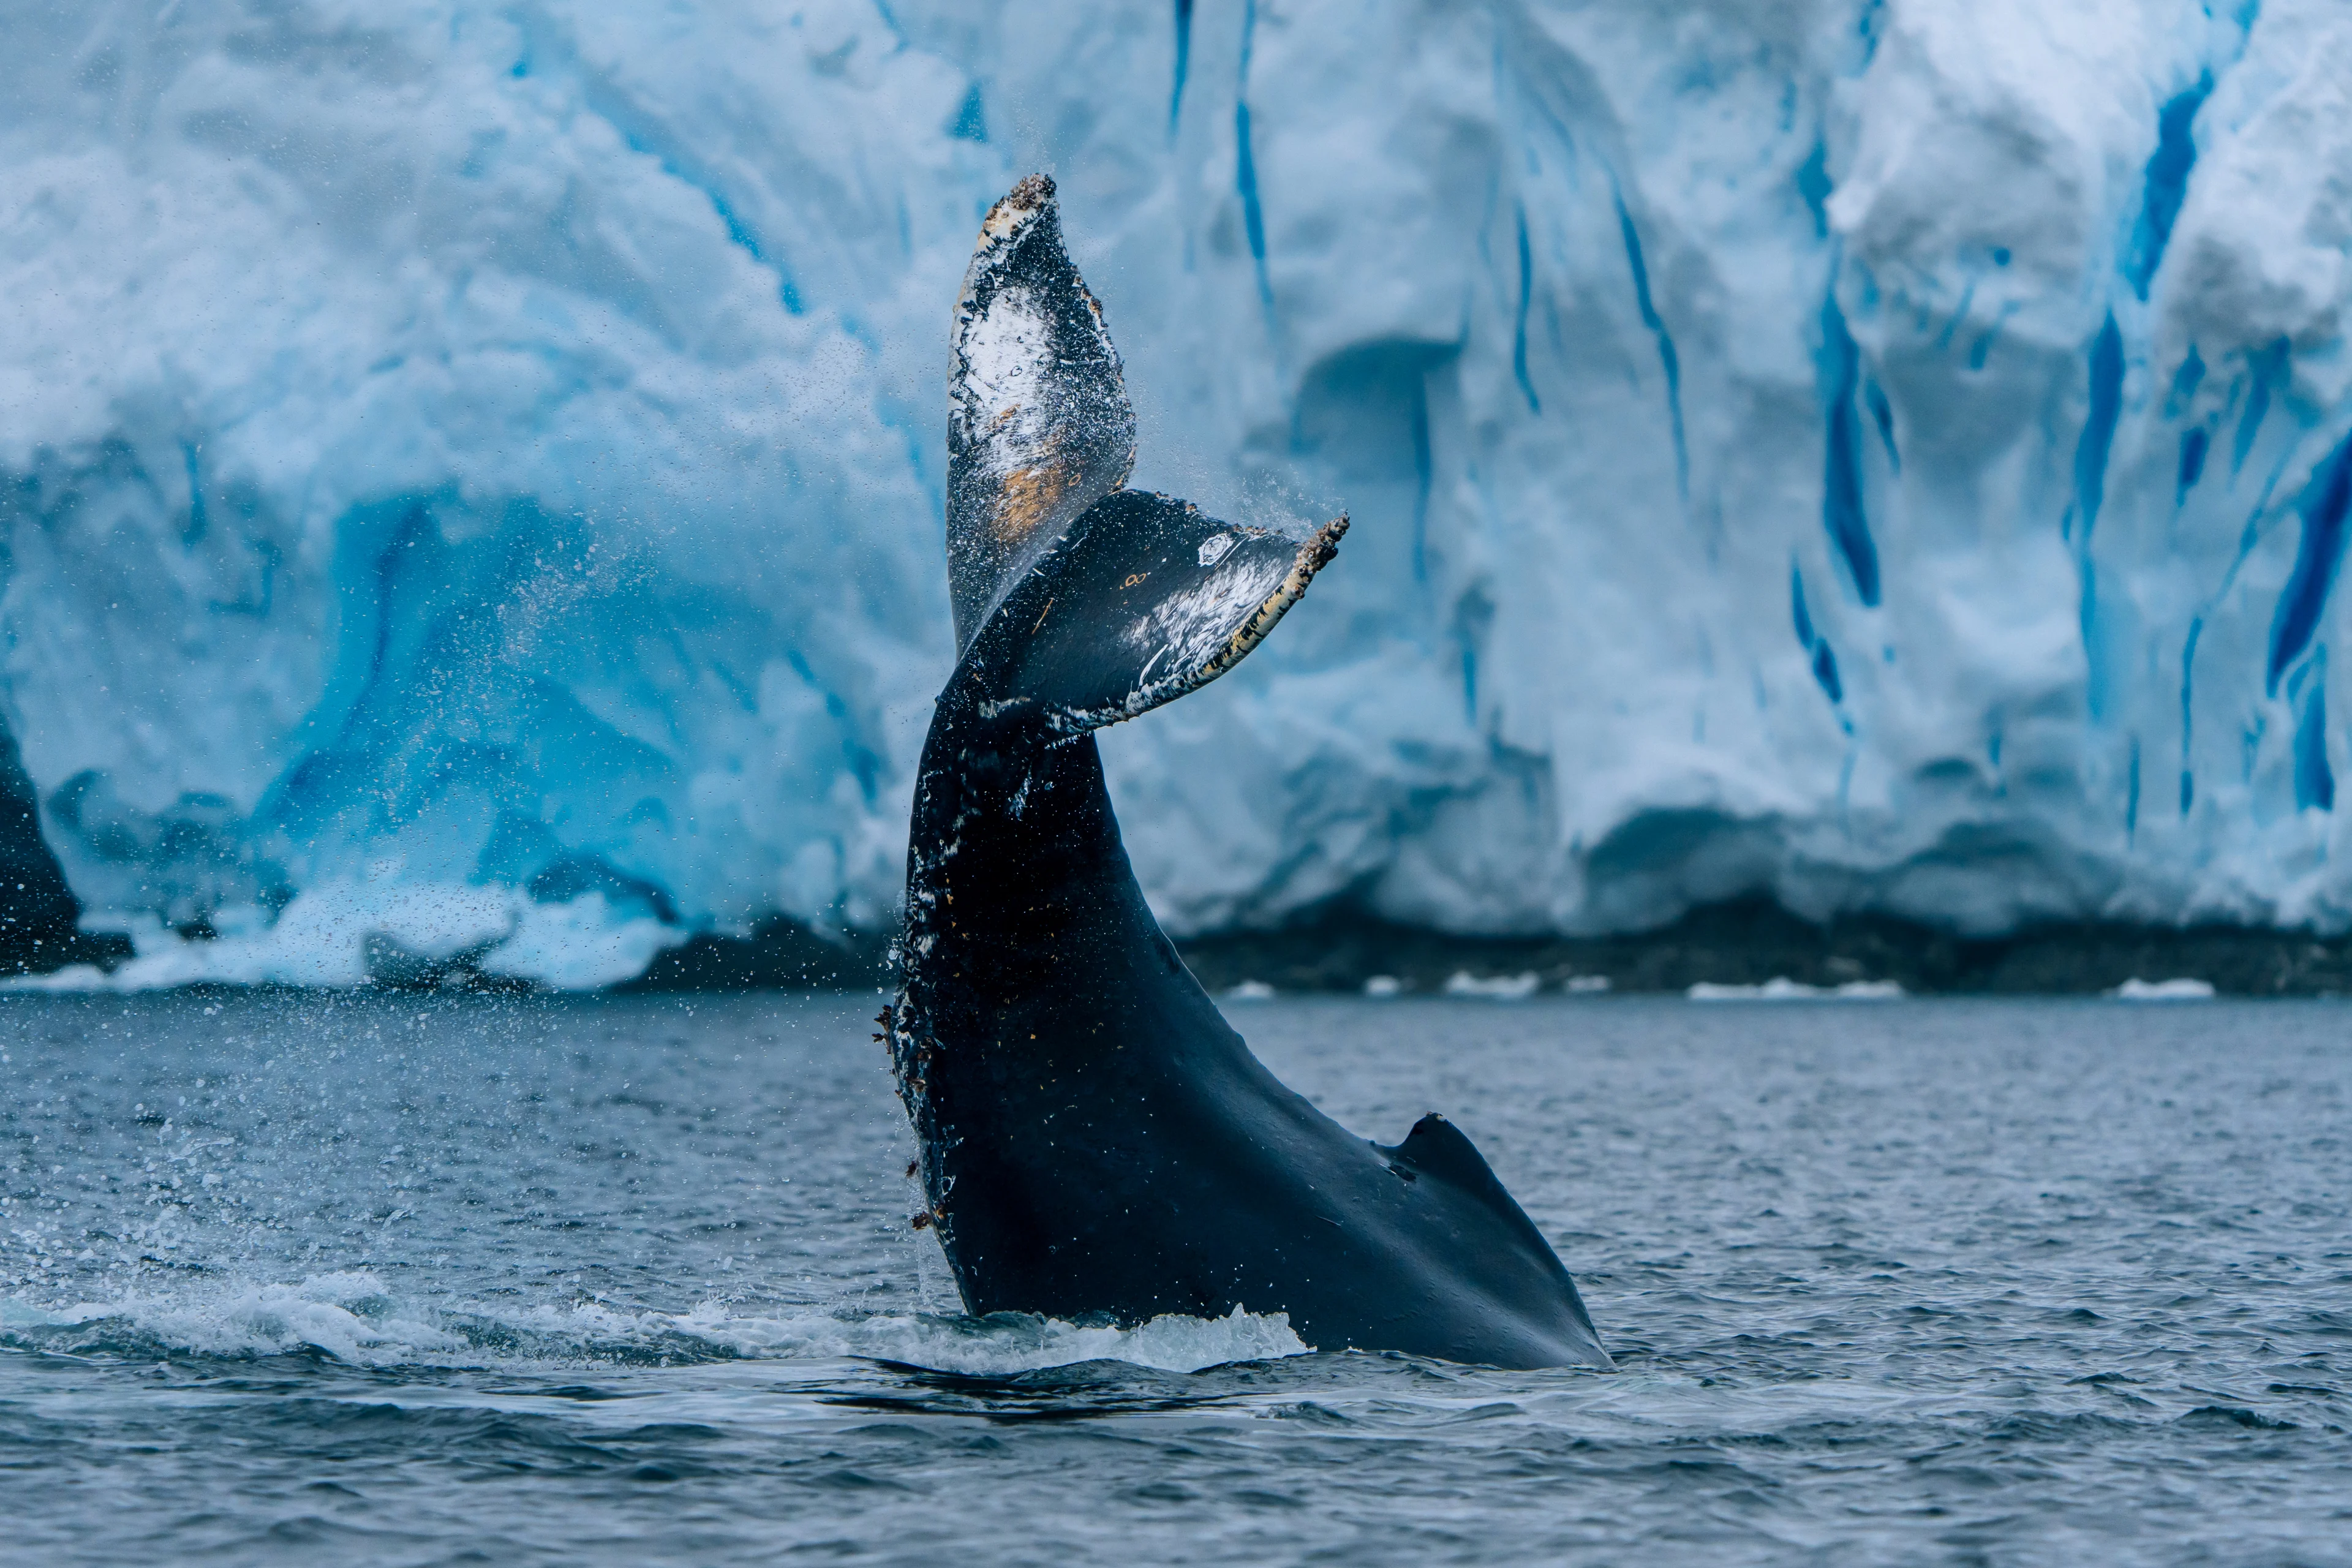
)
(1748, 942)
(1754, 941)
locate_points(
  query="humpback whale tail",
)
(1094, 1138)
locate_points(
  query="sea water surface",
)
(425, 1279)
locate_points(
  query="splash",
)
(353, 1316)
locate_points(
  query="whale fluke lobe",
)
(1143, 600)
(1093, 1137)
(1039, 427)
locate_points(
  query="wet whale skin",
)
(1095, 1140)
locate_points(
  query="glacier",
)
(471, 475)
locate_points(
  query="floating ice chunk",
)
(2176, 990)
(1782, 989)
(1868, 991)
(1494, 987)
(1251, 991)
(1775, 990)
(1384, 985)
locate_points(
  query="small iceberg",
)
(2178, 990)
(1251, 991)
(1494, 987)
(1384, 985)
(1780, 988)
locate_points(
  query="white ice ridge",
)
(1889, 456)
(341, 933)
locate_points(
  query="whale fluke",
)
(1093, 1138)
(1039, 427)
(1142, 600)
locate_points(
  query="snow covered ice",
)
(472, 475)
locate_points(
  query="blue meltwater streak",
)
(1668, 360)
(2325, 508)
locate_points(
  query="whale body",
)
(1095, 1140)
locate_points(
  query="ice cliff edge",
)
(470, 477)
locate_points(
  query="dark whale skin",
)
(1094, 1138)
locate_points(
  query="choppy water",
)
(630, 1281)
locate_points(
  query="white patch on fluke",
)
(1213, 550)
(1207, 630)
(1194, 624)
(1006, 386)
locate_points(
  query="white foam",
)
(353, 1316)
(346, 1314)
(998, 1346)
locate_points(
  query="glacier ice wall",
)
(471, 474)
